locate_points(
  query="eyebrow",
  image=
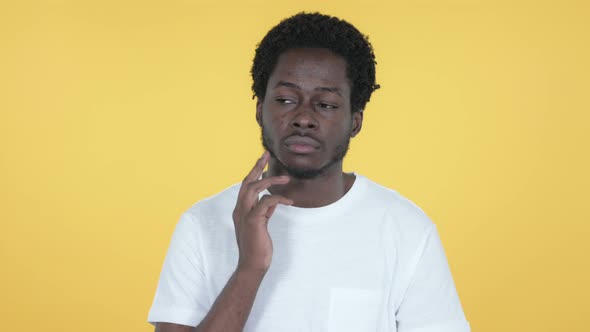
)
(319, 88)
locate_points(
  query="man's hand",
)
(251, 217)
(233, 305)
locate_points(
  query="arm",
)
(231, 309)
(431, 303)
(233, 305)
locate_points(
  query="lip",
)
(301, 144)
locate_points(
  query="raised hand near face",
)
(251, 216)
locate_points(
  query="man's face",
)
(305, 117)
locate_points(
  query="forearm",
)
(232, 307)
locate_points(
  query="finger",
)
(263, 184)
(258, 168)
(263, 208)
(258, 186)
(269, 212)
(250, 195)
(260, 163)
(255, 173)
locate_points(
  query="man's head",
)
(313, 75)
(314, 30)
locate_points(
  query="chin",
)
(304, 169)
(304, 165)
(304, 173)
(301, 161)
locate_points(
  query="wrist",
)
(250, 273)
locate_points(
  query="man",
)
(305, 246)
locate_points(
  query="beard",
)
(306, 173)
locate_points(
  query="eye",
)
(326, 106)
(284, 101)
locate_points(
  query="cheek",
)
(265, 120)
(345, 129)
(273, 123)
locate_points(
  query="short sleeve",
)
(180, 296)
(431, 303)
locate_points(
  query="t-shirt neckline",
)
(338, 207)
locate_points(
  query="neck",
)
(322, 190)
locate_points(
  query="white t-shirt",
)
(371, 261)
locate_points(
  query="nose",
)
(304, 118)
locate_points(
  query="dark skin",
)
(307, 123)
(308, 94)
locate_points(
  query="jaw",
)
(304, 166)
(302, 171)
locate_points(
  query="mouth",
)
(301, 144)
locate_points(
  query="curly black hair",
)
(315, 30)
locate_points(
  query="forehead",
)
(310, 68)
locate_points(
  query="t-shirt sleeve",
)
(181, 297)
(431, 303)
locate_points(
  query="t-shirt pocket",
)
(354, 309)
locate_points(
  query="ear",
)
(259, 112)
(357, 123)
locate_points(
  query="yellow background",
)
(117, 115)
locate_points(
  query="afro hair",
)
(315, 30)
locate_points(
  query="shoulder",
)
(405, 223)
(219, 200)
(216, 208)
(396, 208)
